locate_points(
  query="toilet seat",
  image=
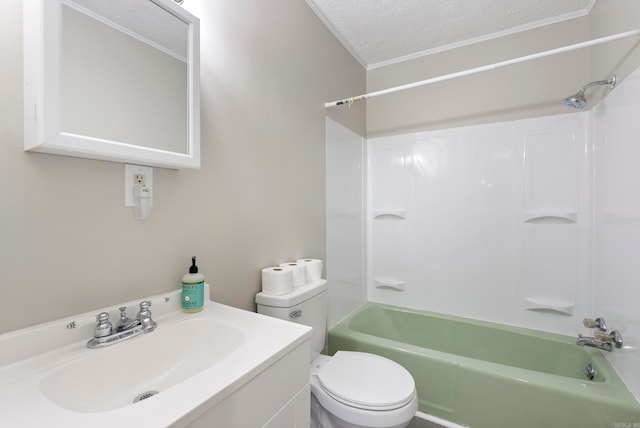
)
(366, 381)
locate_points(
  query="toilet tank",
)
(305, 305)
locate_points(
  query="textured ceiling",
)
(383, 31)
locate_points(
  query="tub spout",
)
(604, 341)
(594, 343)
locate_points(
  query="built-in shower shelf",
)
(389, 283)
(535, 304)
(391, 214)
(550, 217)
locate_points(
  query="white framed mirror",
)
(115, 80)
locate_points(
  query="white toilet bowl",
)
(350, 389)
(358, 390)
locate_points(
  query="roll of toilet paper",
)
(277, 280)
(313, 269)
(299, 272)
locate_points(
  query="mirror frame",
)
(42, 126)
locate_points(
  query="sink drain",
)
(144, 396)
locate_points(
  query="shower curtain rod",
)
(483, 68)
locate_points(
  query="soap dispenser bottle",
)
(192, 290)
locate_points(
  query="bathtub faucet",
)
(597, 323)
(602, 340)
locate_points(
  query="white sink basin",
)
(113, 377)
(48, 376)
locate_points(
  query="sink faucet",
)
(104, 334)
(602, 340)
(124, 323)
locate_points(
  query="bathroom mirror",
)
(115, 80)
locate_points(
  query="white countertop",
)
(29, 355)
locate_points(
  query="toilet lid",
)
(366, 381)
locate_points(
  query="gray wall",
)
(620, 57)
(530, 89)
(68, 243)
(519, 91)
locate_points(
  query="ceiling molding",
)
(336, 33)
(371, 32)
(510, 31)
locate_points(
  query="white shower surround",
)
(490, 222)
(345, 207)
(466, 205)
(467, 198)
(616, 289)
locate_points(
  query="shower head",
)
(576, 101)
(579, 101)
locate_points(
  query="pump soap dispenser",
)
(192, 290)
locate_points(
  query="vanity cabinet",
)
(277, 397)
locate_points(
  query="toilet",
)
(350, 389)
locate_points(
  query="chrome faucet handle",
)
(614, 337)
(125, 323)
(144, 308)
(103, 326)
(144, 316)
(597, 323)
(617, 339)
